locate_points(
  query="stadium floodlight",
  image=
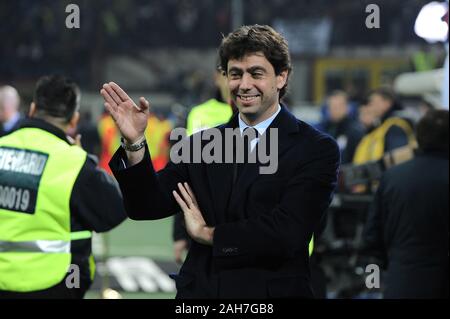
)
(429, 24)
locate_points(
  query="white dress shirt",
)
(260, 127)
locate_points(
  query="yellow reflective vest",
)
(206, 115)
(371, 147)
(38, 171)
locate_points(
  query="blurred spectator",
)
(41, 42)
(390, 131)
(366, 117)
(90, 138)
(424, 59)
(340, 124)
(424, 107)
(408, 221)
(9, 109)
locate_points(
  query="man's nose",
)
(246, 82)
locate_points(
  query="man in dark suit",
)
(250, 231)
(408, 222)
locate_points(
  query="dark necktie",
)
(249, 134)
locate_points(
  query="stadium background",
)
(165, 50)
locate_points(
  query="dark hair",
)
(432, 131)
(338, 93)
(257, 38)
(56, 96)
(387, 94)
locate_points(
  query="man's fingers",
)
(180, 201)
(185, 194)
(121, 93)
(113, 94)
(111, 111)
(191, 193)
(143, 104)
(106, 95)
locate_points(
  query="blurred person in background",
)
(211, 113)
(9, 109)
(389, 130)
(52, 196)
(407, 224)
(340, 125)
(89, 133)
(366, 117)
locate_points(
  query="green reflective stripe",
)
(37, 246)
(92, 267)
(80, 235)
(311, 246)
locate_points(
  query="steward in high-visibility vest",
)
(52, 197)
(392, 131)
(373, 146)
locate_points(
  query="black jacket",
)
(408, 224)
(263, 223)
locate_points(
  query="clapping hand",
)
(130, 118)
(193, 218)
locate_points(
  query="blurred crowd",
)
(38, 40)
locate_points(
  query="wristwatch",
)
(136, 146)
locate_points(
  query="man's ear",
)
(74, 120)
(32, 109)
(282, 79)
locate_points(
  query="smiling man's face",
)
(255, 87)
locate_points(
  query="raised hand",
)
(130, 118)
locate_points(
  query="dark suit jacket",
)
(408, 224)
(263, 223)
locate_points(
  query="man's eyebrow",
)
(235, 69)
(256, 68)
(250, 69)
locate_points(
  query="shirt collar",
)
(262, 126)
(8, 125)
